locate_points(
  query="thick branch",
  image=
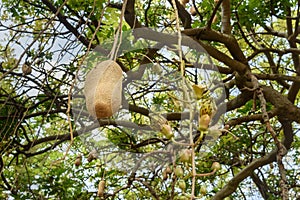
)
(249, 118)
(282, 104)
(212, 35)
(239, 100)
(184, 16)
(244, 173)
(262, 186)
(130, 15)
(278, 77)
(235, 65)
(169, 40)
(226, 27)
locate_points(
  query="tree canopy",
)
(210, 102)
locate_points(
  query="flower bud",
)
(165, 175)
(157, 68)
(186, 156)
(26, 69)
(204, 122)
(215, 19)
(166, 130)
(184, 2)
(92, 155)
(203, 190)
(168, 170)
(226, 127)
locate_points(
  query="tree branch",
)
(282, 104)
(130, 15)
(212, 35)
(231, 186)
(226, 27)
(73, 30)
(184, 16)
(249, 118)
(278, 77)
(262, 186)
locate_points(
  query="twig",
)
(281, 150)
(206, 174)
(118, 36)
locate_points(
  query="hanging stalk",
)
(118, 37)
(186, 94)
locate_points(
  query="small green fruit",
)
(178, 171)
(183, 198)
(182, 185)
(166, 130)
(203, 190)
(216, 166)
(186, 156)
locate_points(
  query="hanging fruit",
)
(78, 160)
(186, 156)
(26, 69)
(182, 185)
(92, 155)
(178, 171)
(101, 188)
(103, 89)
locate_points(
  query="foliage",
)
(157, 146)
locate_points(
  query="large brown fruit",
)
(103, 89)
(101, 188)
